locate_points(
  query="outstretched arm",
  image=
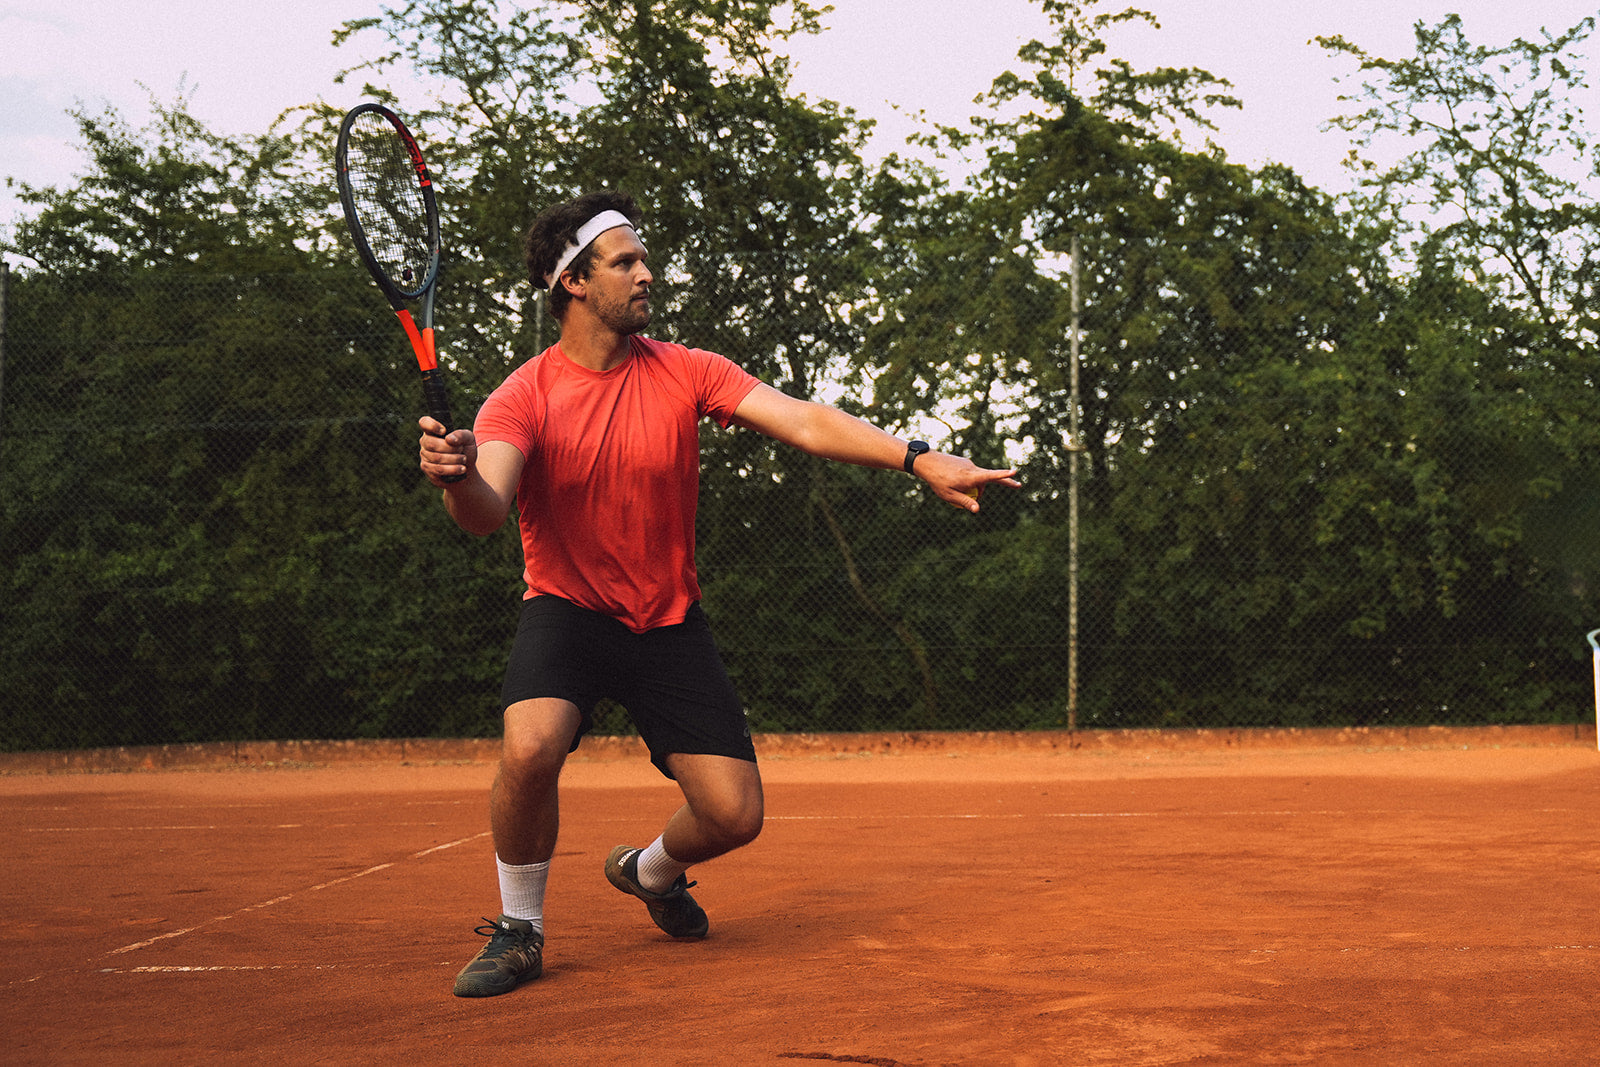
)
(825, 431)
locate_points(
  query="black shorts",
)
(670, 680)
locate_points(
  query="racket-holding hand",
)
(443, 455)
(958, 481)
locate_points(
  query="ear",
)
(575, 286)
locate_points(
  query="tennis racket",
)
(394, 220)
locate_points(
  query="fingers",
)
(964, 493)
(442, 455)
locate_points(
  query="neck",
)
(596, 348)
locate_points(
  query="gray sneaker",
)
(674, 911)
(514, 954)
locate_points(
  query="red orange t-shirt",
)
(608, 493)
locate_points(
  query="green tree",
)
(1196, 274)
(214, 468)
(681, 103)
(754, 225)
(1492, 199)
(1497, 163)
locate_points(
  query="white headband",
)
(606, 220)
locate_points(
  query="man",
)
(596, 440)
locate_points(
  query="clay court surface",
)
(1428, 897)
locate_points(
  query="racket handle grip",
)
(438, 403)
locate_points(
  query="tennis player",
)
(596, 441)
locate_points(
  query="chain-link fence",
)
(213, 529)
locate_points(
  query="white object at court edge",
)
(1595, 644)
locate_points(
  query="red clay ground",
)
(1428, 898)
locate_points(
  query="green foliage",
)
(1308, 479)
(1342, 459)
(1142, 104)
(195, 511)
(1499, 165)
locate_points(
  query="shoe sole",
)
(487, 989)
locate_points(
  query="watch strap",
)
(913, 450)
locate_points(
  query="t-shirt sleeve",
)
(507, 415)
(723, 385)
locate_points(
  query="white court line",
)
(1087, 815)
(149, 969)
(451, 844)
(1179, 814)
(230, 829)
(1016, 816)
(159, 968)
(1219, 951)
(287, 896)
(110, 829)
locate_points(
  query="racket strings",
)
(388, 200)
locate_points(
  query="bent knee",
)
(737, 826)
(530, 763)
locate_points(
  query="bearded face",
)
(619, 284)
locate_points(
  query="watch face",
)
(913, 450)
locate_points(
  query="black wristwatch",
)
(913, 450)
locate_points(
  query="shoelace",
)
(503, 938)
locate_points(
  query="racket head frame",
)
(397, 290)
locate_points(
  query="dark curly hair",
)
(557, 228)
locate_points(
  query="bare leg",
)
(723, 807)
(524, 807)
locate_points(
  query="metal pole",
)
(5, 286)
(1074, 447)
(538, 322)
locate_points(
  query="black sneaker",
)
(514, 954)
(674, 911)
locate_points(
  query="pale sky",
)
(241, 64)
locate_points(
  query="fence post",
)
(5, 288)
(1074, 446)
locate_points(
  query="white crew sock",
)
(522, 891)
(657, 869)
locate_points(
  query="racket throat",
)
(421, 340)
